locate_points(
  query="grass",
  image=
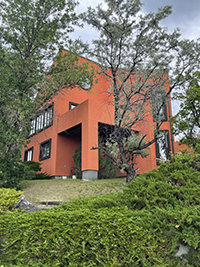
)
(67, 190)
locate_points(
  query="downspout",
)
(170, 115)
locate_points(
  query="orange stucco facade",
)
(71, 126)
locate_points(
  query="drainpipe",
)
(170, 115)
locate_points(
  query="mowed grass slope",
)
(67, 190)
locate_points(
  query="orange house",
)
(74, 116)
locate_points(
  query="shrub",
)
(107, 237)
(33, 165)
(36, 167)
(13, 172)
(8, 199)
(107, 169)
(168, 201)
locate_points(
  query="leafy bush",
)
(8, 199)
(107, 237)
(77, 160)
(36, 167)
(167, 199)
(106, 167)
(42, 176)
(33, 165)
(13, 172)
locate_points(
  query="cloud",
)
(185, 15)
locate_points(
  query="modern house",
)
(76, 115)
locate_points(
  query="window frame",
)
(167, 149)
(26, 154)
(40, 123)
(72, 104)
(163, 109)
(48, 141)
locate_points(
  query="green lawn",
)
(66, 190)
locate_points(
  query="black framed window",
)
(86, 85)
(28, 154)
(45, 150)
(159, 108)
(162, 146)
(42, 121)
(72, 105)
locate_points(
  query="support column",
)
(90, 160)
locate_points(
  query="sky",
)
(185, 16)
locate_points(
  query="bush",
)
(33, 165)
(107, 237)
(13, 172)
(107, 169)
(36, 167)
(8, 199)
(167, 200)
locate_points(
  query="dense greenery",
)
(139, 227)
(13, 171)
(36, 167)
(8, 199)
(187, 120)
(32, 32)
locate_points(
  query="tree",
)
(187, 121)
(31, 34)
(137, 56)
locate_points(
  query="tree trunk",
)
(130, 174)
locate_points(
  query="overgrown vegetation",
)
(8, 199)
(138, 227)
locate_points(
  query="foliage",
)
(167, 199)
(33, 165)
(107, 170)
(36, 167)
(107, 237)
(8, 199)
(139, 227)
(42, 176)
(187, 120)
(13, 172)
(77, 160)
(32, 32)
(136, 54)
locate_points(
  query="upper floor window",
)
(45, 150)
(42, 121)
(162, 145)
(72, 105)
(86, 85)
(28, 154)
(159, 107)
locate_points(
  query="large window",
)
(45, 150)
(28, 154)
(42, 121)
(162, 146)
(159, 108)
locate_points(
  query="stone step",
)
(51, 202)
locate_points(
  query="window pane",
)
(162, 146)
(32, 131)
(45, 149)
